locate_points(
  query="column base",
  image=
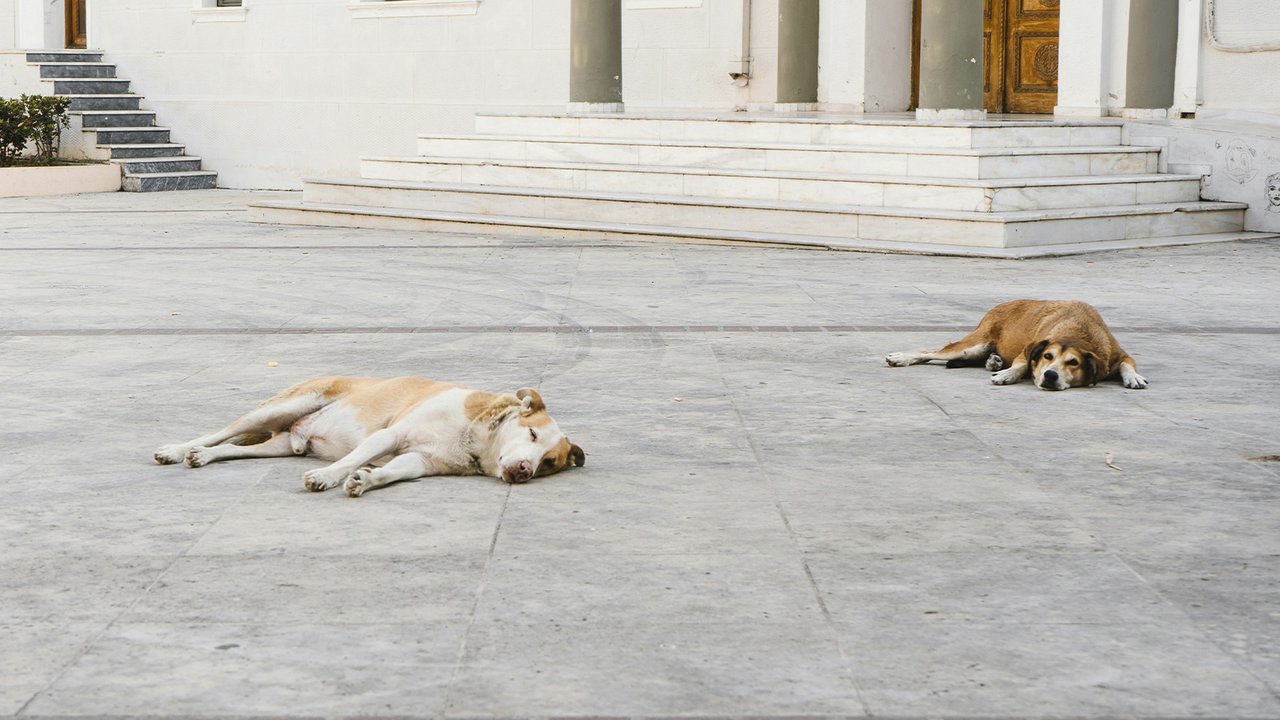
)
(596, 107)
(950, 114)
(1079, 111)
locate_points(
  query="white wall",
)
(8, 25)
(864, 55)
(1240, 57)
(676, 54)
(301, 88)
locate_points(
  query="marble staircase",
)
(1012, 187)
(123, 132)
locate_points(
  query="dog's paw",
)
(994, 362)
(1135, 382)
(170, 454)
(197, 457)
(900, 359)
(1008, 376)
(318, 480)
(357, 483)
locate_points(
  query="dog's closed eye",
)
(533, 433)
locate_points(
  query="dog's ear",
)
(1090, 369)
(578, 457)
(530, 401)
(1035, 350)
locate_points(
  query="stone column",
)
(797, 55)
(595, 56)
(1083, 51)
(951, 63)
(1153, 49)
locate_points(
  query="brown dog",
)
(1064, 342)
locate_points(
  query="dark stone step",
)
(131, 136)
(160, 182)
(68, 56)
(144, 150)
(105, 102)
(57, 70)
(98, 86)
(93, 120)
(153, 165)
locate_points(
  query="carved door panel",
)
(993, 40)
(1031, 56)
(76, 35)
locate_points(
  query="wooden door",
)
(1020, 55)
(1030, 57)
(76, 35)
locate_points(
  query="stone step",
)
(817, 129)
(77, 70)
(88, 103)
(90, 86)
(132, 135)
(921, 161)
(991, 229)
(333, 215)
(877, 190)
(64, 56)
(117, 119)
(160, 182)
(159, 164)
(141, 150)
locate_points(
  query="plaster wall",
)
(1240, 161)
(1240, 57)
(303, 88)
(8, 25)
(873, 75)
(677, 54)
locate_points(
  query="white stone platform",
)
(1009, 186)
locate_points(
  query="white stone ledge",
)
(411, 8)
(218, 14)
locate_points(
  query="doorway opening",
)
(1020, 55)
(76, 36)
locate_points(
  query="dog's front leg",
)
(382, 442)
(1011, 374)
(402, 467)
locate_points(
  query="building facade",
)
(271, 91)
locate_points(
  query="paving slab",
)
(770, 521)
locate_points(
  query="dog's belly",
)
(329, 433)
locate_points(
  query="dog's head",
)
(1058, 365)
(532, 445)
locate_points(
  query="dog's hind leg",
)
(402, 467)
(968, 351)
(280, 445)
(273, 417)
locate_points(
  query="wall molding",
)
(411, 8)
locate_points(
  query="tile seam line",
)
(828, 619)
(88, 646)
(585, 329)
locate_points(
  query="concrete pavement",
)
(771, 522)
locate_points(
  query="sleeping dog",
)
(377, 431)
(1064, 343)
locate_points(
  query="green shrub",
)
(13, 130)
(46, 117)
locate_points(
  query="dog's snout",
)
(520, 472)
(1050, 376)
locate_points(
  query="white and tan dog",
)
(377, 431)
(1065, 344)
